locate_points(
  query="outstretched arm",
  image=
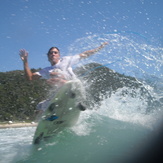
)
(93, 51)
(24, 57)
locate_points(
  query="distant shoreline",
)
(17, 125)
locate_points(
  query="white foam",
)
(84, 124)
(129, 109)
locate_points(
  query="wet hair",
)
(51, 49)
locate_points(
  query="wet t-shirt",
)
(64, 67)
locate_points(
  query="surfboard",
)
(63, 111)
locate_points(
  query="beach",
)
(17, 125)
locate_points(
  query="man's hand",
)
(56, 74)
(57, 79)
(23, 55)
(105, 43)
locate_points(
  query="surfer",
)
(60, 70)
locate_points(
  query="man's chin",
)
(53, 62)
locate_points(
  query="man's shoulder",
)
(70, 57)
(65, 58)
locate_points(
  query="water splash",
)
(131, 56)
(129, 109)
(123, 54)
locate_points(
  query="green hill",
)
(19, 97)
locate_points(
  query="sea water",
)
(118, 130)
(97, 137)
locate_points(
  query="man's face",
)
(53, 56)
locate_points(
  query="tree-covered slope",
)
(19, 97)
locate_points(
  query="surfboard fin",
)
(38, 139)
(72, 94)
(81, 107)
(52, 107)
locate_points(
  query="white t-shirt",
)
(64, 66)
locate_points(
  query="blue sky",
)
(37, 25)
